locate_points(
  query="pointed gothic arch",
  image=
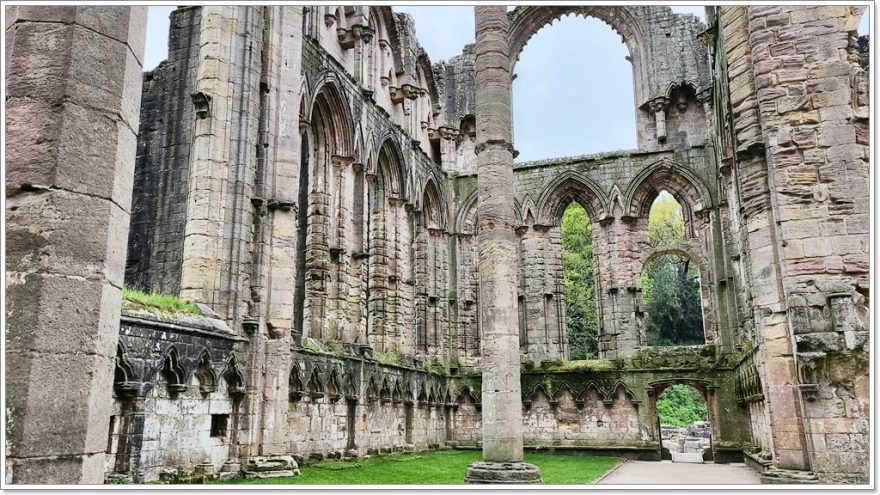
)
(683, 184)
(432, 206)
(569, 187)
(390, 169)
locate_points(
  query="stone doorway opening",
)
(683, 420)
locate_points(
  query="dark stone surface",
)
(161, 182)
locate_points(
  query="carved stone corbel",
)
(202, 104)
(410, 92)
(448, 132)
(658, 106)
(396, 94)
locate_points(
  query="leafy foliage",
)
(580, 289)
(665, 221)
(681, 405)
(670, 284)
(390, 357)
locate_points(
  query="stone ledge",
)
(189, 325)
(775, 476)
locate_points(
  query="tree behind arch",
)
(670, 284)
(580, 290)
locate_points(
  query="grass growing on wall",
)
(437, 468)
(163, 303)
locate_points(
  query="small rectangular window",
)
(219, 425)
(114, 424)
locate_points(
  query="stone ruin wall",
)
(793, 145)
(309, 175)
(383, 122)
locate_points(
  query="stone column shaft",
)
(502, 401)
(73, 95)
(283, 73)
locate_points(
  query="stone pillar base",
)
(512, 473)
(775, 476)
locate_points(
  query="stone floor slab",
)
(670, 473)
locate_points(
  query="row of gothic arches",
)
(375, 263)
(370, 230)
(634, 202)
(363, 223)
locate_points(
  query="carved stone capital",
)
(396, 94)
(410, 92)
(341, 161)
(346, 38)
(659, 104)
(490, 144)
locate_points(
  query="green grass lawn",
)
(438, 468)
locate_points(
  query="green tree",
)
(665, 221)
(681, 405)
(580, 290)
(670, 284)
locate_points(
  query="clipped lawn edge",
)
(616, 466)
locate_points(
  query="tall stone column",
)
(502, 399)
(265, 421)
(72, 105)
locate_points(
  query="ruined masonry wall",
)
(161, 185)
(798, 146)
(767, 153)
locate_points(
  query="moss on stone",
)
(390, 357)
(587, 365)
(135, 300)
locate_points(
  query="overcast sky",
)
(573, 92)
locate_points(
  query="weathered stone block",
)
(66, 234)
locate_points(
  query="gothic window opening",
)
(670, 281)
(563, 105)
(302, 216)
(219, 425)
(581, 320)
(666, 222)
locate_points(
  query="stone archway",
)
(706, 391)
(707, 300)
(525, 21)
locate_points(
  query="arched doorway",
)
(683, 411)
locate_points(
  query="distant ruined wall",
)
(161, 185)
